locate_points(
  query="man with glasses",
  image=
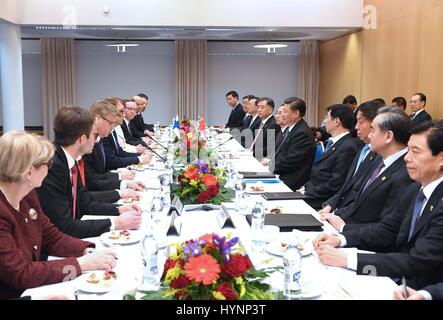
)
(62, 193)
(132, 135)
(97, 178)
(139, 123)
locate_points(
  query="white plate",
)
(276, 248)
(134, 236)
(310, 294)
(101, 287)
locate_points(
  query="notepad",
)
(283, 196)
(288, 222)
(257, 175)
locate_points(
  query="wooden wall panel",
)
(402, 56)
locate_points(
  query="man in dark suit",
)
(132, 135)
(62, 194)
(419, 114)
(407, 241)
(237, 113)
(97, 178)
(245, 134)
(295, 151)
(386, 183)
(329, 173)
(265, 135)
(142, 100)
(362, 164)
(431, 292)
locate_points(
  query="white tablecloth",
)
(318, 281)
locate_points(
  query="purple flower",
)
(192, 249)
(224, 246)
(202, 167)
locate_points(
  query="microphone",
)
(224, 142)
(156, 141)
(156, 153)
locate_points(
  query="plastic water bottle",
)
(149, 251)
(257, 227)
(240, 187)
(292, 264)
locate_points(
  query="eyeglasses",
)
(111, 123)
(48, 164)
(131, 109)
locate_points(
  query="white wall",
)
(260, 13)
(150, 68)
(233, 66)
(32, 94)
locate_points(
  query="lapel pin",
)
(33, 214)
(383, 179)
(431, 208)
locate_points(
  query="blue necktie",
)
(102, 149)
(419, 202)
(117, 145)
(328, 145)
(364, 152)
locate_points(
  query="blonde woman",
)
(26, 234)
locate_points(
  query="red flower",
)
(170, 263)
(235, 266)
(248, 262)
(213, 190)
(206, 237)
(180, 283)
(203, 197)
(182, 295)
(191, 173)
(209, 180)
(202, 268)
(227, 291)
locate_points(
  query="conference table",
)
(318, 281)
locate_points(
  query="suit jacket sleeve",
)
(112, 160)
(303, 146)
(399, 185)
(344, 158)
(96, 181)
(109, 196)
(425, 256)
(436, 291)
(53, 198)
(381, 236)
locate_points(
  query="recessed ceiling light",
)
(271, 46)
(121, 47)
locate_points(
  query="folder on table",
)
(287, 222)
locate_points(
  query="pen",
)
(404, 289)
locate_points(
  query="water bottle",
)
(292, 264)
(240, 187)
(149, 251)
(257, 227)
(157, 208)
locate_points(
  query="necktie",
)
(247, 121)
(117, 145)
(419, 202)
(328, 145)
(374, 174)
(74, 173)
(102, 149)
(81, 168)
(280, 141)
(412, 116)
(364, 152)
(256, 137)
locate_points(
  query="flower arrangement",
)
(201, 183)
(212, 267)
(191, 143)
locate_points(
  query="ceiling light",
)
(121, 47)
(271, 46)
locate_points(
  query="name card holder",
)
(224, 218)
(175, 225)
(176, 206)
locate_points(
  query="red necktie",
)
(81, 168)
(74, 172)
